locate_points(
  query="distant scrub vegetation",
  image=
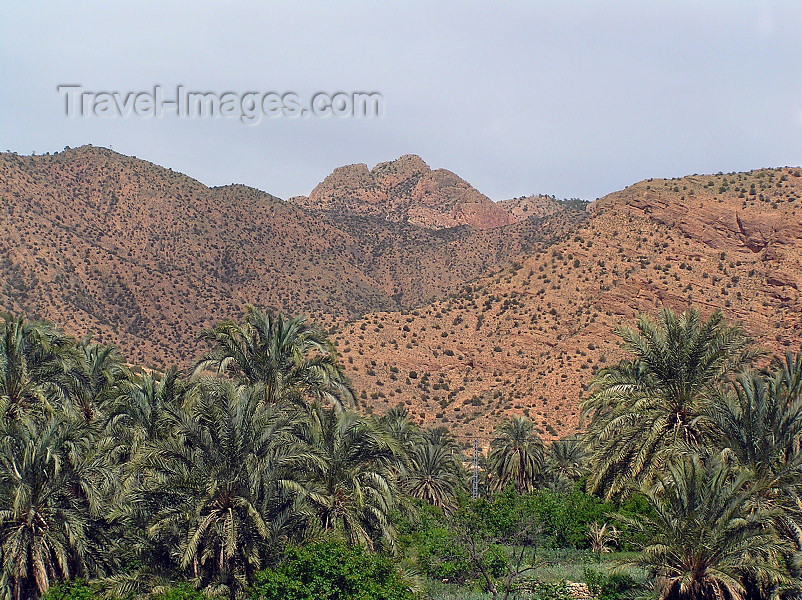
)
(254, 476)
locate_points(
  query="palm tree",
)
(291, 358)
(602, 537)
(222, 484)
(46, 495)
(566, 461)
(138, 412)
(790, 370)
(397, 423)
(643, 411)
(101, 373)
(516, 455)
(352, 478)
(705, 536)
(430, 465)
(440, 436)
(36, 361)
(434, 475)
(761, 423)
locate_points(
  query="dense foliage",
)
(254, 476)
(330, 571)
(714, 445)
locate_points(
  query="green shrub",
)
(331, 570)
(71, 590)
(556, 590)
(545, 590)
(433, 546)
(564, 517)
(441, 557)
(609, 586)
(183, 591)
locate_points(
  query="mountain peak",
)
(409, 164)
(406, 189)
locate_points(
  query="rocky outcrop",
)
(406, 190)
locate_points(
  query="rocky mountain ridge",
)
(462, 315)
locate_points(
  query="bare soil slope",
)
(144, 257)
(529, 339)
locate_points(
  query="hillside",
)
(461, 323)
(144, 257)
(529, 339)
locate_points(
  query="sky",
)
(571, 98)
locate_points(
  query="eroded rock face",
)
(406, 189)
(727, 219)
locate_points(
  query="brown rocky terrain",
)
(529, 339)
(532, 206)
(463, 324)
(143, 257)
(407, 190)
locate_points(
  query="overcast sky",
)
(576, 99)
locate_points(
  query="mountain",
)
(141, 256)
(406, 190)
(529, 339)
(462, 309)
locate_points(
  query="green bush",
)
(556, 590)
(71, 590)
(183, 591)
(331, 570)
(564, 517)
(441, 557)
(609, 586)
(545, 590)
(631, 538)
(432, 545)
